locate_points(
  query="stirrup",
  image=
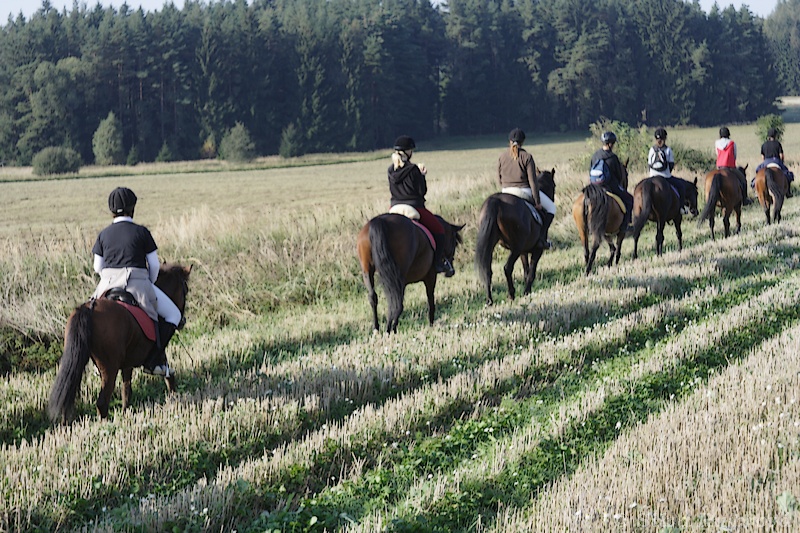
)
(159, 370)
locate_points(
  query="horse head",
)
(173, 279)
(547, 184)
(624, 180)
(690, 200)
(452, 238)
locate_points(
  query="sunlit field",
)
(658, 395)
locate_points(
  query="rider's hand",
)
(422, 168)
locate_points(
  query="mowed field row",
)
(658, 394)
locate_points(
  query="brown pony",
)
(507, 219)
(597, 214)
(655, 199)
(771, 187)
(106, 332)
(397, 249)
(723, 189)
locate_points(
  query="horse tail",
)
(596, 198)
(77, 348)
(392, 280)
(488, 235)
(772, 185)
(647, 190)
(713, 198)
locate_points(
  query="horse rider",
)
(125, 256)
(516, 173)
(772, 153)
(407, 186)
(726, 159)
(617, 174)
(661, 161)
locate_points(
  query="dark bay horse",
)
(400, 252)
(507, 219)
(106, 332)
(723, 189)
(655, 199)
(597, 214)
(771, 188)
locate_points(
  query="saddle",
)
(619, 201)
(126, 300)
(410, 212)
(517, 191)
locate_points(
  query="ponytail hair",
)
(514, 147)
(399, 159)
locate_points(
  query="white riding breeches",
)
(167, 308)
(527, 194)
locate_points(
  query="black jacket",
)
(407, 185)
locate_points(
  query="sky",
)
(12, 7)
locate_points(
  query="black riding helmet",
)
(772, 133)
(661, 133)
(724, 132)
(517, 135)
(608, 137)
(121, 200)
(404, 143)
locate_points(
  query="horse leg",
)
(660, 236)
(592, 255)
(525, 265)
(109, 377)
(531, 274)
(372, 295)
(711, 225)
(170, 381)
(678, 232)
(611, 249)
(738, 212)
(509, 271)
(430, 285)
(127, 390)
(636, 246)
(618, 247)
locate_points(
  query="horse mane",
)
(174, 270)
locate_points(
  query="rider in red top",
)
(726, 158)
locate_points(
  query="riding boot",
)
(547, 219)
(440, 262)
(156, 363)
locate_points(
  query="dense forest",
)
(333, 75)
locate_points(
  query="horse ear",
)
(553, 172)
(747, 165)
(459, 228)
(695, 180)
(188, 270)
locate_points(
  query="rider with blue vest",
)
(125, 256)
(614, 183)
(407, 186)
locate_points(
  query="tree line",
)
(331, 75)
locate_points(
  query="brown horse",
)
(507, 219)
(655, 199)
(106, 332)
(397, 249)
(597, 214)
(723, 188)
(771, 187)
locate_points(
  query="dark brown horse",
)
(400, 252)
(106, 332)
(771, 188)
(507, 219)
(655, 199)
(599, 215)
(723, 189)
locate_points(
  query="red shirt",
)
(726, 157)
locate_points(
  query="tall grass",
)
(556, 411)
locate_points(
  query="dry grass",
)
(256, 376)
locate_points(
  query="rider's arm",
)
(530, 169)
(153, 265)
(99, 263)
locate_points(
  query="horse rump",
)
(77, 343)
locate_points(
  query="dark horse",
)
(771, 188)
(597, 214)
(397, 249)
(655, 199)
(106, 332)
(507, 219)
(723, 189)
